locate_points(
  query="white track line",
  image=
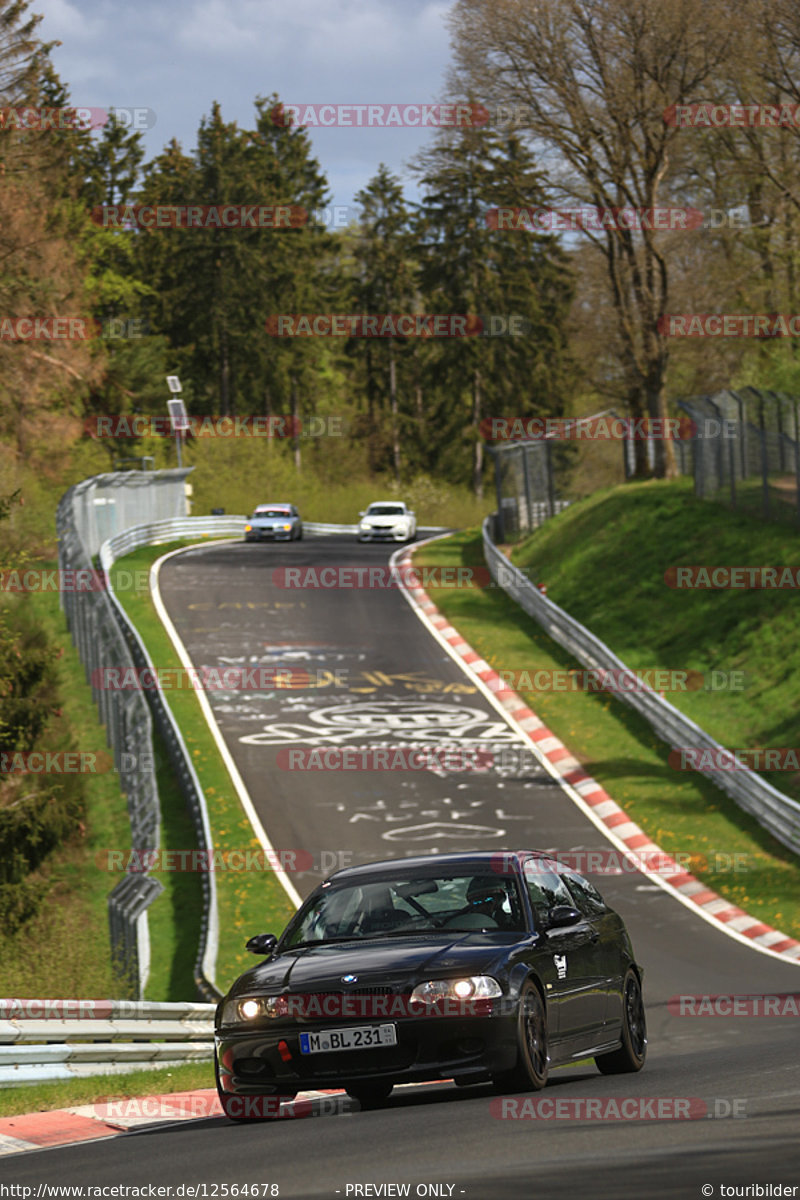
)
(236, 779)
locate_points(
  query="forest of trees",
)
(583, 86)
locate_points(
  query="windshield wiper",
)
(353, 937)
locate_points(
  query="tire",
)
(369, 1095)
(633, 1051)
(530, 1073)
(299, 535)
(225, 1099)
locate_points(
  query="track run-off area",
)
(380, 679)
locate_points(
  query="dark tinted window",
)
(545, 888)
(587, 897)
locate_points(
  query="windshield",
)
(386, 510)
(407, 905)
(271, 512)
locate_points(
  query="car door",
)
(579, 989)
(612, 964)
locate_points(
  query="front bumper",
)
(268, 1061)
(392, 534)
(268, 535)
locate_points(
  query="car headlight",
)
(471, 987)
(251, 1008)
(248, 528)
(285, 527)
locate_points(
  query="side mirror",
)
(262, 943)
(562, 915)
(363, 514)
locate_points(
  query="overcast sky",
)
(177, 56)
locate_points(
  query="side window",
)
(587, 897)
(545, 888)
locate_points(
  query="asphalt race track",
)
(381, 680)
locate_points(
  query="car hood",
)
(394, 961)
(284, 520)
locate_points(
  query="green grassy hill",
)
(604, 561)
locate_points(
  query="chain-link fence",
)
(535, 477)
(526, 480)
(745, 450)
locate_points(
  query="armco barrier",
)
(35, 1049)
(772, 809)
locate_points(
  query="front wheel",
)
(633, 1051)
(533, 1061)
(369, 1095)
(246, 1110)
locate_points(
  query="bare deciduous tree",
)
(589, 81)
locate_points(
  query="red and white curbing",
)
(89, 1122)
(593, 799)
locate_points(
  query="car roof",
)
(277, 504)
(476, 860)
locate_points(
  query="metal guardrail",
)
(773, 810)
(36, 1049)
(96, 635)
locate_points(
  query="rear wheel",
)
(633, 1051)
(530, 1073)
(369, 1095)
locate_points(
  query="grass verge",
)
(248, 902)
(97, 1089)
(620, 595)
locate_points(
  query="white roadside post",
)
(177, 412)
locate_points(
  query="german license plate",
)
(357, 1037)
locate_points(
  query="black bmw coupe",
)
(489, 966)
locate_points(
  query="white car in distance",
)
(392, 520)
